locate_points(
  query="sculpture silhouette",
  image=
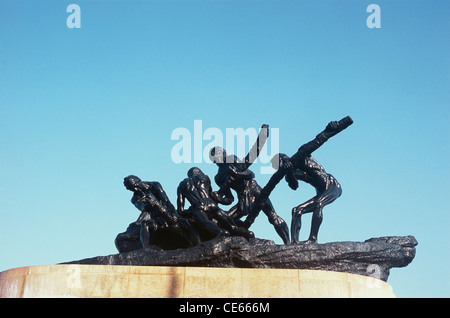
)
(161, 225)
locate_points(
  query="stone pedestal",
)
(74, 280)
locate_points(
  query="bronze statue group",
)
(161, 225)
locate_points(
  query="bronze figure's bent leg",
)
(314, 205)
(296, 222)
(278, 223)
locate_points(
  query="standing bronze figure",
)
(302, 166)
(234, 174)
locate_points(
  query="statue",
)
(302, 166)
(206, 235)
(206, 216)
(234, 174)
(162, 225)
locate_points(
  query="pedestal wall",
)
(186, 282)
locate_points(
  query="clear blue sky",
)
(80, 109)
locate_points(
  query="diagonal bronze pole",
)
(257, 146)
